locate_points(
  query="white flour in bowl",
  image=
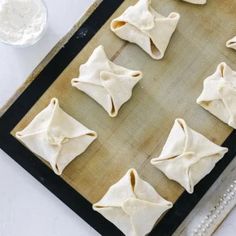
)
(22, 22)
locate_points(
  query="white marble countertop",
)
(26, 207)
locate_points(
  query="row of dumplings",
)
(59, 138)
(186, 157)
(144, 26)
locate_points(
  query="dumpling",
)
(132, 205)
(108, 84)
(142, 25)
(196, 1)
(219, 94)
(187, 156)
(56, 137)
(231, 43)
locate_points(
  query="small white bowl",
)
(34, 40)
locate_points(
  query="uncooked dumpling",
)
(196, 1)
(219, 94)
(132, 205)
(187, 156)
(142, 25)
(108, 84)
(56, 137)
(231, 43)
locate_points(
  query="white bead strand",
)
(225, 204)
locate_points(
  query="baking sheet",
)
(168, 90)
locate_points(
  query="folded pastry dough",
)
(132, 205)
(219, 94)
(56, 137)
(142, 25)
(196, 1)
(231, 43)
(108, 84)
(187, 156)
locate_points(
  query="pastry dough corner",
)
(219, 94)
(110, 85)
(132, 205)
(187, 156)
(142, 25)
(56, 137)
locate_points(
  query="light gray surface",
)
(228, 227)
(26, 207)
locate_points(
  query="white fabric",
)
(219, 94)
(231, 43)
(196, 1)
(132, 205)
(108, 84)
(142, 25)
(187, 156)
(56, 137)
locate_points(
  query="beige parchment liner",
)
(168, 90)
